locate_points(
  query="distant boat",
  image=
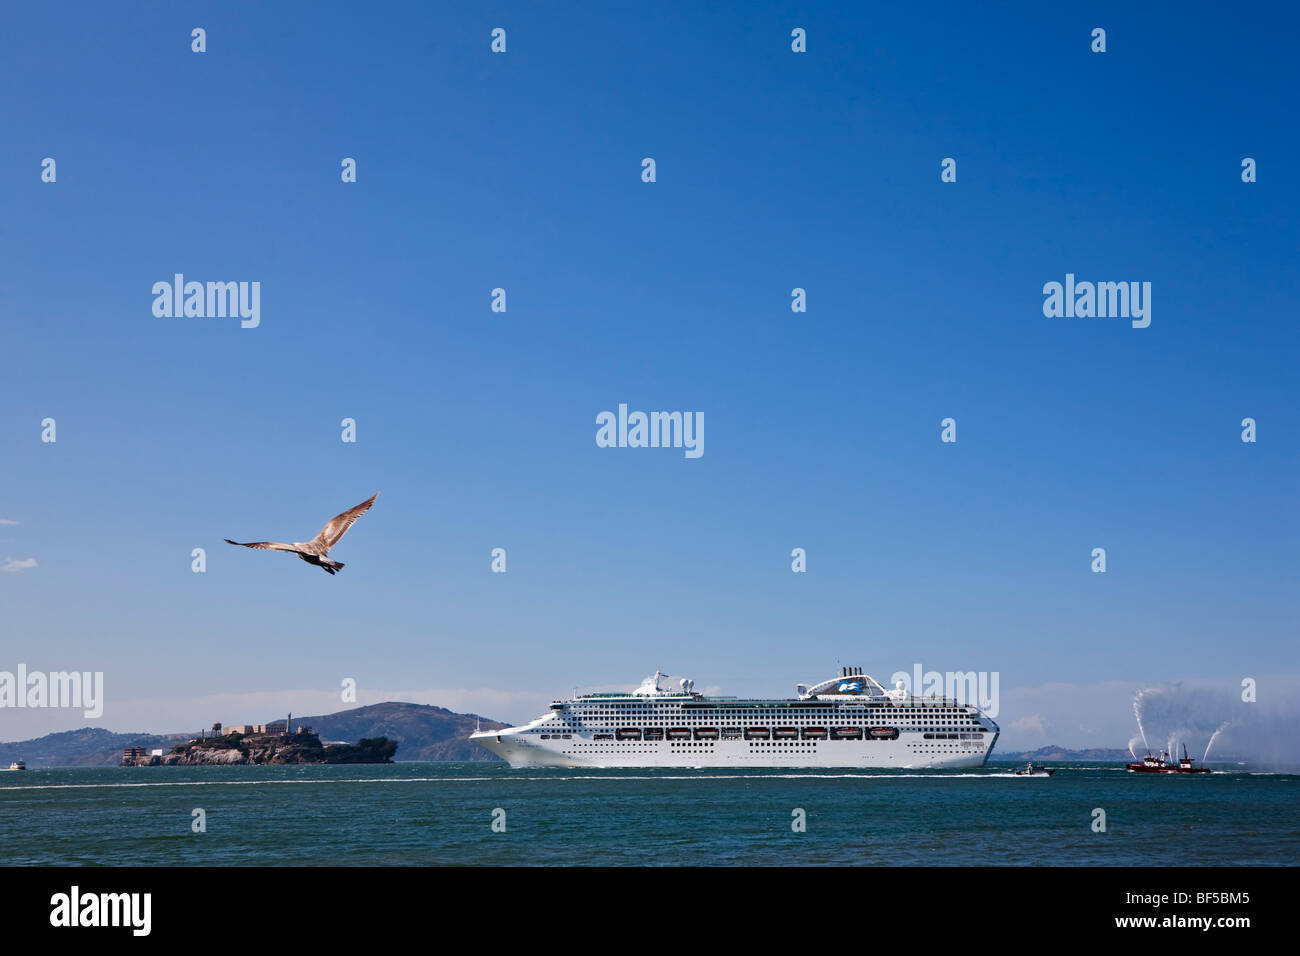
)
(1032, 771)
(18, 765)
(1161, 764)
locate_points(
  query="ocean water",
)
(424, 814)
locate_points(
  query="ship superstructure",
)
(847, 721)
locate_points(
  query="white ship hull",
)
(900, 754)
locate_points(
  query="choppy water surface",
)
(437, 814)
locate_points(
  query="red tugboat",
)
(1161, 764)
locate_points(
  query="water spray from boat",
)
(1212, 736)
(1216, 717)
(1180, 713)
(1137, 712)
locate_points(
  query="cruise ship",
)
(847, 721)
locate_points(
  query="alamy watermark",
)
(1103, 300)
(129, 910)
(969, 688)
(84, 689)
(652, 430)
(211, 300)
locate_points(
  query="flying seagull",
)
(314, 551)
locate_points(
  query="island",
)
(262, 746)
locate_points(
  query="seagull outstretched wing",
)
(338, 526)
(263, 545)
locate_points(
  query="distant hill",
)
(88, 747)
(422, 732)
(1102, 754)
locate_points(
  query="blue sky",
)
(775, 170)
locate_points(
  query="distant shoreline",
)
(421, 732)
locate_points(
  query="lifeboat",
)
(654, 733)
(814, 733)
(785, 733)
(757, 733)
(678, 733)
(628, 733)
(884, 733)
(846, 733)
(706, 733)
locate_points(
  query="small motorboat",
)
(1032, 771)
(18, 765)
